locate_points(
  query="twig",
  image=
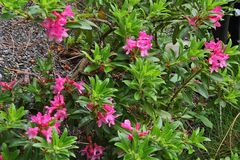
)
(102, 20)
(22, 72)
(13, 44)
(106, 34)
(224, 138)
(71, 58)
(156, 40)
(29, 39)
(79, 69)
(183, 85)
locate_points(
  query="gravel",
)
(21, 43)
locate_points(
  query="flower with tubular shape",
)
(55, 27)
(143, 43)
(192, 20)
(127, 125)
(93, 152)
(7, 86)
(216, 16)
(44, 126)
(108, 117)
(32, 132)
(59, 85)
(131, 44)
(218, 57)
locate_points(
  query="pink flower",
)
(216, 16)
(108, 108)
(47, 133)
(60, 20)
(68, 12)
(93, 152)
(32, 132)
(108, 117)
(42, 120)
(61, 114)
(1, 157)
(144, 43)
(90, 106)
(101, 119)
(215, 47)
(79, 86)
(59, 85)
(58, 102)
(6, 86)
(192, 21)
(57, 125)
(55, 27)
(58, 105)
(127, 125)
(55, 30)
(217, 58)
(131, 44)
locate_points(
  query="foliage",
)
(183, 88)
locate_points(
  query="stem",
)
(224, 138)
(184, 85)
(156, 40)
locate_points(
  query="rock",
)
(175, 47)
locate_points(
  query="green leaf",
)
(137, 96)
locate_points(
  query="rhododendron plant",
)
(192, 20)
(7, 86)
(216, 16)
(32, 132)
(60, 81)
(143, 43)
(218, 57)
(113, 65)
(55, 27)
(127, 125)
(108, 117)
(92, 151)
(130, 45)
(44, 126)
(59, 85)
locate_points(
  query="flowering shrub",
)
(134, 98)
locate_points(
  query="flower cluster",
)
(93, 152)
(108, 117)
(215, 16)
(60, 82)
(218, 57)
(56, 113)
(55, 27)
(143, 43)
(7, 86)
(127, 125)
(57, 104)
(45, 124)
(192, 20)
